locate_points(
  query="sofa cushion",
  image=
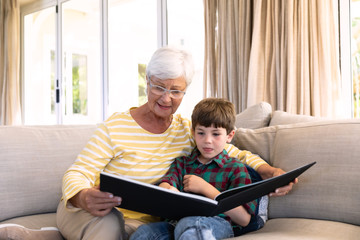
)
(300, 229)
(18, 232)
(330, 190)
(283, 118)
(37, 221)
(39, 226)
(33, 160)
(256, 116)
(258, 141)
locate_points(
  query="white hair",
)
(171, 62)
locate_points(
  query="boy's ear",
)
(230, 136)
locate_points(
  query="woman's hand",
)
(267, 171)
(95, 202)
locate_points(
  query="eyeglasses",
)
(158, 90)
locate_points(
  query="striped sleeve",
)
(86, 169)
(245, 157)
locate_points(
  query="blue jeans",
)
(154, 231)
(188, 228)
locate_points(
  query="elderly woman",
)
(139, 143)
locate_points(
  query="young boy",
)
(207, 171)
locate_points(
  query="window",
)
(186, 27)
(63, 88)
(85, 59)
(355, 54)
(132, 38)
(39, 67)
(80, 64)
(350, 54)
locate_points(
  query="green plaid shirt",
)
(223, 172)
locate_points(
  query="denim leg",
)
(203, 228)
(154, 231)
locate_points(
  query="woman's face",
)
(164, 105)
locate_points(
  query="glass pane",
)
(355, 45)
(132, 38)
(39, 67)
(186, 28)
(81, 82)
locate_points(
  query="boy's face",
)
(211, 141)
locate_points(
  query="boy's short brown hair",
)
(218, 112)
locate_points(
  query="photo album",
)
(157, 201)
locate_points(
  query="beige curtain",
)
(9, 63)
(228, 27)
(284, 52)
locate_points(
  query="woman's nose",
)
(166, 97)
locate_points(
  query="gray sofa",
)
(325, 204)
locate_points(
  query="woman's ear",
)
(230, 136)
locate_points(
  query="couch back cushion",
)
(283, 118)
(258, 141)
(330, 190)
(256, 116)
(33, 160)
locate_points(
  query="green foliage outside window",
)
(79, 84)
(356, 65)
(142, 83)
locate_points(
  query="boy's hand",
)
(196, 184)
(168, 186)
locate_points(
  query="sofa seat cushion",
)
(35, 227)
(36, 221)
(300, 229)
